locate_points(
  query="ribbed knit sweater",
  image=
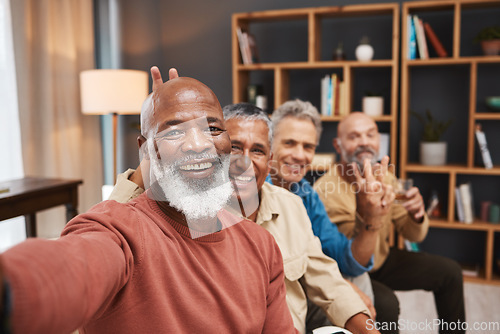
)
(128, 268)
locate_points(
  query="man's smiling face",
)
(188, 147)
(294, 145)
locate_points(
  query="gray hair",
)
(249, 112)
(301, 110)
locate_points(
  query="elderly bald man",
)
(154, 265)
(358, 140)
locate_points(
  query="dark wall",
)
(194, 37)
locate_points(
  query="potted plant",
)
(489, 38)
(373, 104)
(432, 150)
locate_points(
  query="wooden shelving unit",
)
(314, 17)
(452, 171)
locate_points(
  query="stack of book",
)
(248, 47)
(419, 33)
(333, 96)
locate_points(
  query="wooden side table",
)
(26, 196)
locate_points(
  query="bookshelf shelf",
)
(450, 61)
(458, 17)
(487, 116)
(476, 225)
(452, 169)
(318, 64)
(315, 20)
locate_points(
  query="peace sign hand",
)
(373, 197)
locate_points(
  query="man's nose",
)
(197, 141)
(299, 153)
(363, 141)
(243, 161)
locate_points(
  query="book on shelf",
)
(385, 139)
(248, 47)
(421, 43)
(252, 46)
(243, 46)
(411, 246)
(333, 96)
(465, 190)
(325, 84)
(412, 38)
(459, 206)
(329, 98)
(342, 99)
(483, 147)
(434, 41)
(485, 211)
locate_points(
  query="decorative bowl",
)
(493, 102)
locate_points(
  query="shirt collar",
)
(267, 210)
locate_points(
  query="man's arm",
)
(325, 286)
(364, 297)
(373, 203)
(361, 323)
(3, 302)
(278, 317)
(333, 242)
(65, 281)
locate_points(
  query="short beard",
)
(349, 158)
(196, 199)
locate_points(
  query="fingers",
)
(389, 195)
(156, 76)
(382, 171)
(357, 174)
(415, 203)
(367, 170)
(172, 73)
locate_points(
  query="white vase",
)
(433, 153)
(373, 105)
(364, 52)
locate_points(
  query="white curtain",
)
(53, 43)
(11, 165)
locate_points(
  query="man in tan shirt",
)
(358, 139)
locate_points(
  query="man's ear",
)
(336, 145)
(268, 163)
(141, 142)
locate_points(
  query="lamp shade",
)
(113, 91)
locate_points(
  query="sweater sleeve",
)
(58, 285)
(278, 317)
(407, 227)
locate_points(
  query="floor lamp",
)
(115, 92)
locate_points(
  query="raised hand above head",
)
(156, 76)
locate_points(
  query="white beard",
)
(199, 199)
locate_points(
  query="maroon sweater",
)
(128, 268)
